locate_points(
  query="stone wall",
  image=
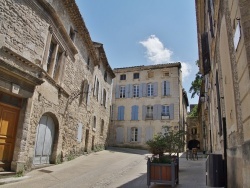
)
(24, 34)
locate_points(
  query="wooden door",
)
(44, 140)
(8, 125)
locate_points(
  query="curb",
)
(12, 180)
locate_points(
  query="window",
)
(134, 112)
(56, 67)
(97, 89)
(88, 63)
(166, 73)
(123, 77)
(165, 110)
(105, 76)
(166, 88)
(194, 131)
(72, 34)
(50, 54)
(149, 113)
(121, 113)
(122, 91)
(150, 89)
(134, 134)
(94, 122)
(104, 97)
(102, 128)
(136, 90)
(136, 75)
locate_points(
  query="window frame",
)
(134, 134)
(149, 111)
(135, 90)
(165, 110)
(123, 77)
(122, 92)
(136, 75)
(150, 89)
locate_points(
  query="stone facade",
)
(49, 63)
(224, 57)
(145, 98)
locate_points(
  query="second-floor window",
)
(136, 90)
(150, 90)
(97, 89)
(165, 110)
(134, 134)
(165, 88)
(104, 97)
(134, 112)
(94, 122)
(149, 113)
(122, 91)
(121, 113)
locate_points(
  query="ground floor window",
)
(134, 134)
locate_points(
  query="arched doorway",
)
(44, 140)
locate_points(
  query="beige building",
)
(224, 54)
(55, 85)
(145, 98)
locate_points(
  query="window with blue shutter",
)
(134, 112)
(155, 89)
(150, 89)
(127, 90)
(120, 113)
(165, 88)
(119, 135)
(171, 111)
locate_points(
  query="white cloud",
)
(158, 54)
(186, 69)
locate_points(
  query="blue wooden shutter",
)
(144, 89)
(144, 111)
(149, 133)
(119, 113)
(162, 88)
(155, 89)
(139, 134)
(167, 88)
(129, 134)
(155, 111)
(127, 91)
(132, 112)
(131, 91)
(119, 135)
(122, 112)
(171, 111)
(136, 113)
(117, 92)
(140, 90)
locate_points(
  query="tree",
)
(194, 112)
(196, 84)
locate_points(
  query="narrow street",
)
(111, 168)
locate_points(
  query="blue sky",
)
(144, 32)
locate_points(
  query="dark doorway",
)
(86, 140)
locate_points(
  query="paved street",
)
(124, 168)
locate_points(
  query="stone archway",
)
(45, 138)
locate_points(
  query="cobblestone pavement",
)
(116, 167)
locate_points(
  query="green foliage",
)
(20, 173)
(196, 85)
(170, 142)
(194, 112)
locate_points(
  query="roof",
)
(149, 67)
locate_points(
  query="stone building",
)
(145, 98)
(55, 84)
(224, 54)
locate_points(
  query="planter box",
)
(162, 173)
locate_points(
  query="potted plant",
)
(163, 166)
